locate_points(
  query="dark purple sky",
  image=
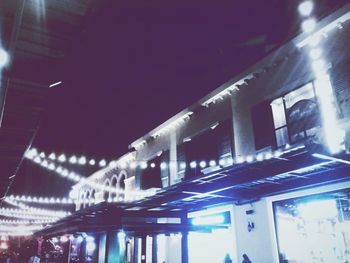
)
(141, 62)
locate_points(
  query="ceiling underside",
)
(38, 36)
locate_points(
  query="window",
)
(301, 223)
(156, 175)
(295, 115)
(340, 78)
(263, 125)
(213, 143)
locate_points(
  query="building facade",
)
(291, 111)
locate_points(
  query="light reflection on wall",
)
(314, 230)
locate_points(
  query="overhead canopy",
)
(126, 217)
(239, 183)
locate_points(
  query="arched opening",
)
(81, 200)
(121, 184)
(87, 199)
(114, 187)
(92, 197)
(106, 192)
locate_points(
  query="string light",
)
(16, 233)
(33, 153)
(17, 213)
(333, 134)
(41, 200)
(25, 222)
(36, 211)
(134, 194)
(167, 128)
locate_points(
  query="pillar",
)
(115, 248)
(184, 239)
(102, 248)
(154, 249)
(143, 248)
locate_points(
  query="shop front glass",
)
(314, 229)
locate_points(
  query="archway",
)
(107, 184)
(114, 183)
(121, 185)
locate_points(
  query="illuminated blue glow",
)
(121, 235)
(208, 220)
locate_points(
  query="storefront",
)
(315, 227)
(215, 245)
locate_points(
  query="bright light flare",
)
(334, 136)
(315, 53)
(4, 58)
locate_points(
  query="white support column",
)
(173, 158)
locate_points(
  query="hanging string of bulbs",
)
(38, 211)
(48, 161)
(41, 200)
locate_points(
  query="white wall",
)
(258, 244)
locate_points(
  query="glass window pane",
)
(282, 136)
(303, 93)
(279, 117)
(314, 229)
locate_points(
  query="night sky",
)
(141, 62)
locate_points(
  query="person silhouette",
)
(227, 259)
(246, 259)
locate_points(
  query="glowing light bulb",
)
(62, 158)
(193, 164)
(82, 160)
(305, 8)
(309, 25)
(202, 164)
(102, 163)
(73, 160)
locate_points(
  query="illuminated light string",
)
(63, 172)
(144, 164)
(41, 200)
(21, 215)
(62, 158)
(36, 210)
(334, 136)
(179, 121)
(25, 222)
(137, 194)
(21, 228)
(16, 233)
